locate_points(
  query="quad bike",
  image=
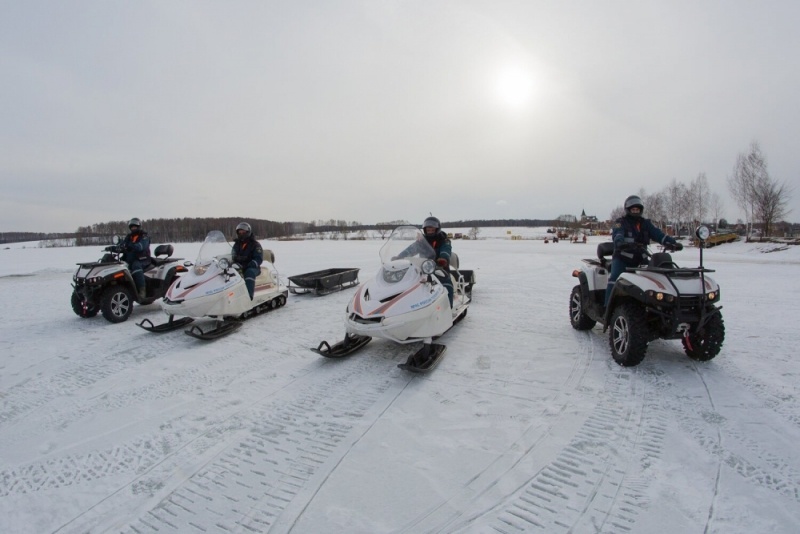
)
(107, 285)
(405, 302)
(215, 288)
(658, 300)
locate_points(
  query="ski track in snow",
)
(244, 434)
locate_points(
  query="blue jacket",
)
(635, 230)
(441, 245)
(136, 246)
(248, 253)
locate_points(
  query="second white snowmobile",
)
(214, 288)
(405, 302)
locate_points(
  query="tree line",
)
(193, 230)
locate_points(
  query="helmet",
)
(432, 222)
(134, 222)
(633, 201)
(243, 226)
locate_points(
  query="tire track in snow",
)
(750, 454)
(260, 459)
(581, 488)
(613, 448)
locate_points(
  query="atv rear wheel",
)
(577, 318)
(77, 303)
(628, 337)
(706, 343)
(116, 304)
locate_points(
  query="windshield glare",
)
(214, 245)
(406, 242)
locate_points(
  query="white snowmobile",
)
(215, 288)
(107, 286)
(658, 300)
(405, 302)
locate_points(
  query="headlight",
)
(658, 296)
(223, 263)
(428, 266)
(393, 277)
(200, 269)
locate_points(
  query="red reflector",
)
(119, 275)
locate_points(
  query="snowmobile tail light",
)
(428, 266)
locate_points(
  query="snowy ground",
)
(526, 425)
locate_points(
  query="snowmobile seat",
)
(454, 261)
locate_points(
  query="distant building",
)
(587, 218)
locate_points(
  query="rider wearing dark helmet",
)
(136, 253)
(631, 234)
(248, 254)
(440, 243)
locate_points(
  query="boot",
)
(142, 293)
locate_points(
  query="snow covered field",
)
(526, 425)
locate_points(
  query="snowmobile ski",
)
(348, 345)
(169, 326)
(223, 329)
(425, 359)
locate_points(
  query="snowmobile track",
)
(244, 472)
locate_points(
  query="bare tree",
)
(697, 201)
(761, 198)
(716, 208)
(676, 202)
(771, 201)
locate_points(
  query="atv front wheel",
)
(706, 343)
(628, 337)
(116, 304)
(577, 318)
(77, 303)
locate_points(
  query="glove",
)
(677, 246)
(441, 262)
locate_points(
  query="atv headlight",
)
(659, 296)
(428, 266)
(393, 277)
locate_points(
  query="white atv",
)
(107, 285)
(658, 300)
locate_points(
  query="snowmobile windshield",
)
(215, 246)
(406, 242)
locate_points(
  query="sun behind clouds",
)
(514, 87)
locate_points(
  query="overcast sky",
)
(374, 111)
